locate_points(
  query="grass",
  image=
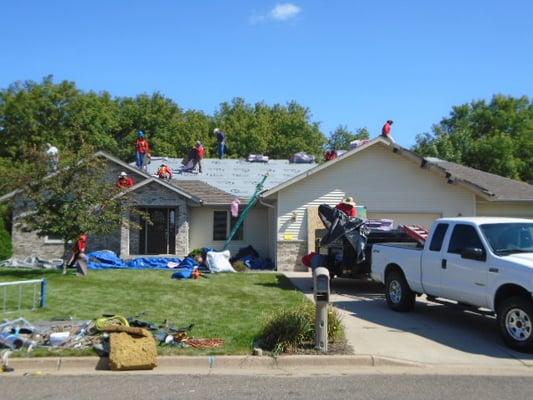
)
(227, 306)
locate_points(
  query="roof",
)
(208, 195)
(496, 186)
(489, 186)
(237, 177)
(161, 182)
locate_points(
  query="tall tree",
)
(341, 137)
(496, 137)
(71, 201)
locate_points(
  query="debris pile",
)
(130, 343)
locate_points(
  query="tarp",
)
(106, 259)
(340, 226)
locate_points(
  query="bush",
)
(6, 249)
(240, 266)
(288, 329)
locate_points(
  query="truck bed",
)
(404, 245)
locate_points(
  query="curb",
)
(66, 364)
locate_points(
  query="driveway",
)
(431, 334)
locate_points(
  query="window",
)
(53, 239)
(438, 237)
(220, 225)
(508, 238)
(223, 223)
(464, 236)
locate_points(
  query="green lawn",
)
(226, 306)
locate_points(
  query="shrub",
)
(239, 266)
(6, 249)
(288, 329)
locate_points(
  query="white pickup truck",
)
(480, 262)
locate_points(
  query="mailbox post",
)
(321, 294)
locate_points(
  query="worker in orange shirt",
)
(142, 150)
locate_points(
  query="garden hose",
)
(103, 322)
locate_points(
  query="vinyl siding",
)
(504, 209)
(381, 180)
(255, 230)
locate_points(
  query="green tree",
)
(277, 130)
(496, 137)
(6, 249)
(74, 200)
(341, 137)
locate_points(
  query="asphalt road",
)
(181, 387)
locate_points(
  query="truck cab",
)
(484, 263)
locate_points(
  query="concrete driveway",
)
(431, 334)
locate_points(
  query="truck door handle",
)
(495, 270)
(443, 263)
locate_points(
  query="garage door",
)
(424, 219)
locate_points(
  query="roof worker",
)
(52, 153)
(348, 206)
(221, 142)
(142, 149)
(164, 172)
(385, 131)
(78, 254)
(200, 154)
(124, 181)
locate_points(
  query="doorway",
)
(159, 236)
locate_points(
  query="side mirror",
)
(473, 253)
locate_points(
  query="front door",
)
(159, 236)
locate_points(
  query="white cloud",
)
(281, 12)
(284, 11)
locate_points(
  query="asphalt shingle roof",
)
(206, 193)
(236, 177)
(498, 187)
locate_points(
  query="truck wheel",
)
(399, 295)
(515, 318)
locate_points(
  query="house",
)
(393, 183)
(193, 210)
(187, 212)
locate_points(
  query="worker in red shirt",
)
(200, 151)
(78, 254)
(142, 149)
(385, 131)
(348, 206)
(164, 172)
(124, 181)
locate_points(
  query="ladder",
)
(417, 232)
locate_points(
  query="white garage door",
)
(424, 219)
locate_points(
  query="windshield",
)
(509, 238)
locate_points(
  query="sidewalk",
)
(432, 334)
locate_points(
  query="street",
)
(412, 387)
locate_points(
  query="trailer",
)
(346, 243)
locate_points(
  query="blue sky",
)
(354, 62)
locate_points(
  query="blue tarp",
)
(257, 263)
(106, 259)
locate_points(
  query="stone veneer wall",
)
(290, 253)
(155, 195)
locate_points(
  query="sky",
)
(352, 62)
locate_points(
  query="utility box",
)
(321, 293)
(321, 285)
